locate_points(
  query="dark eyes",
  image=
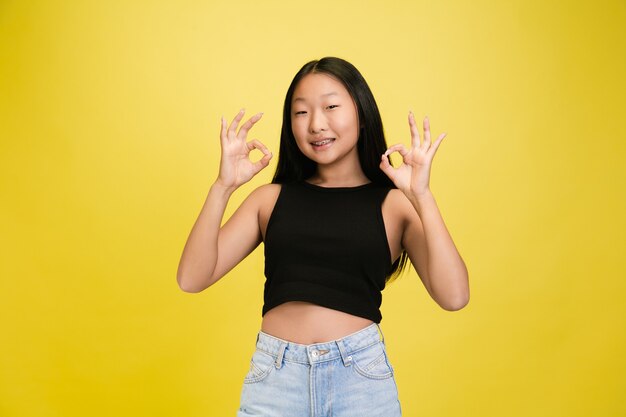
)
(332, 106)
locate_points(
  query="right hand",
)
(236, 168)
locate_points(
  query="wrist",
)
(220, 187)
(418, 199)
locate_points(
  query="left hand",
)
(413, 175)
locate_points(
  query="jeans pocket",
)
(372, 362)
(261, 365)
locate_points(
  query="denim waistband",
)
(320, 352)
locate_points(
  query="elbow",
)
(456, 302)
(190, 285)
(455, 305)
(459, 297)
(189, 289)
(192, 281)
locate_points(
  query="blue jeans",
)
(348, 377)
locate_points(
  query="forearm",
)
(446, 273)
(199, 256)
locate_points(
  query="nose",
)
(317, 122)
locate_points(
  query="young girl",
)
(338, 222)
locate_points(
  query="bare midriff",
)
(307, 323)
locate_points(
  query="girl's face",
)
(324, 119)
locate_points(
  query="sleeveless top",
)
(328, 246)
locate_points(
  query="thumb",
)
(262, 163)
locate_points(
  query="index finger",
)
(397, 148)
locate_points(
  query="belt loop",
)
(347, 359)
(381, 333)
(281, 354)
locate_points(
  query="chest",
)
(344, 226)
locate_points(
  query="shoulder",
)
(264, 195)
(266, 190)
(399, 206)
(397, 201)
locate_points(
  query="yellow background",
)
(109, 120)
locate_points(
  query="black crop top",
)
(327, 246)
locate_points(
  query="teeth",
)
(322, 142)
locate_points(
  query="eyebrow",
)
(332, 93)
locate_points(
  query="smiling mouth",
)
(322, 142)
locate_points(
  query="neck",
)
(346, 175)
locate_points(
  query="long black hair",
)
(294, 166)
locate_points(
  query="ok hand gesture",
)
(236, 168)
(413, 175)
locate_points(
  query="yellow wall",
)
(109, 119)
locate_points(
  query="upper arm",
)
(414, 241)
(241, 233)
